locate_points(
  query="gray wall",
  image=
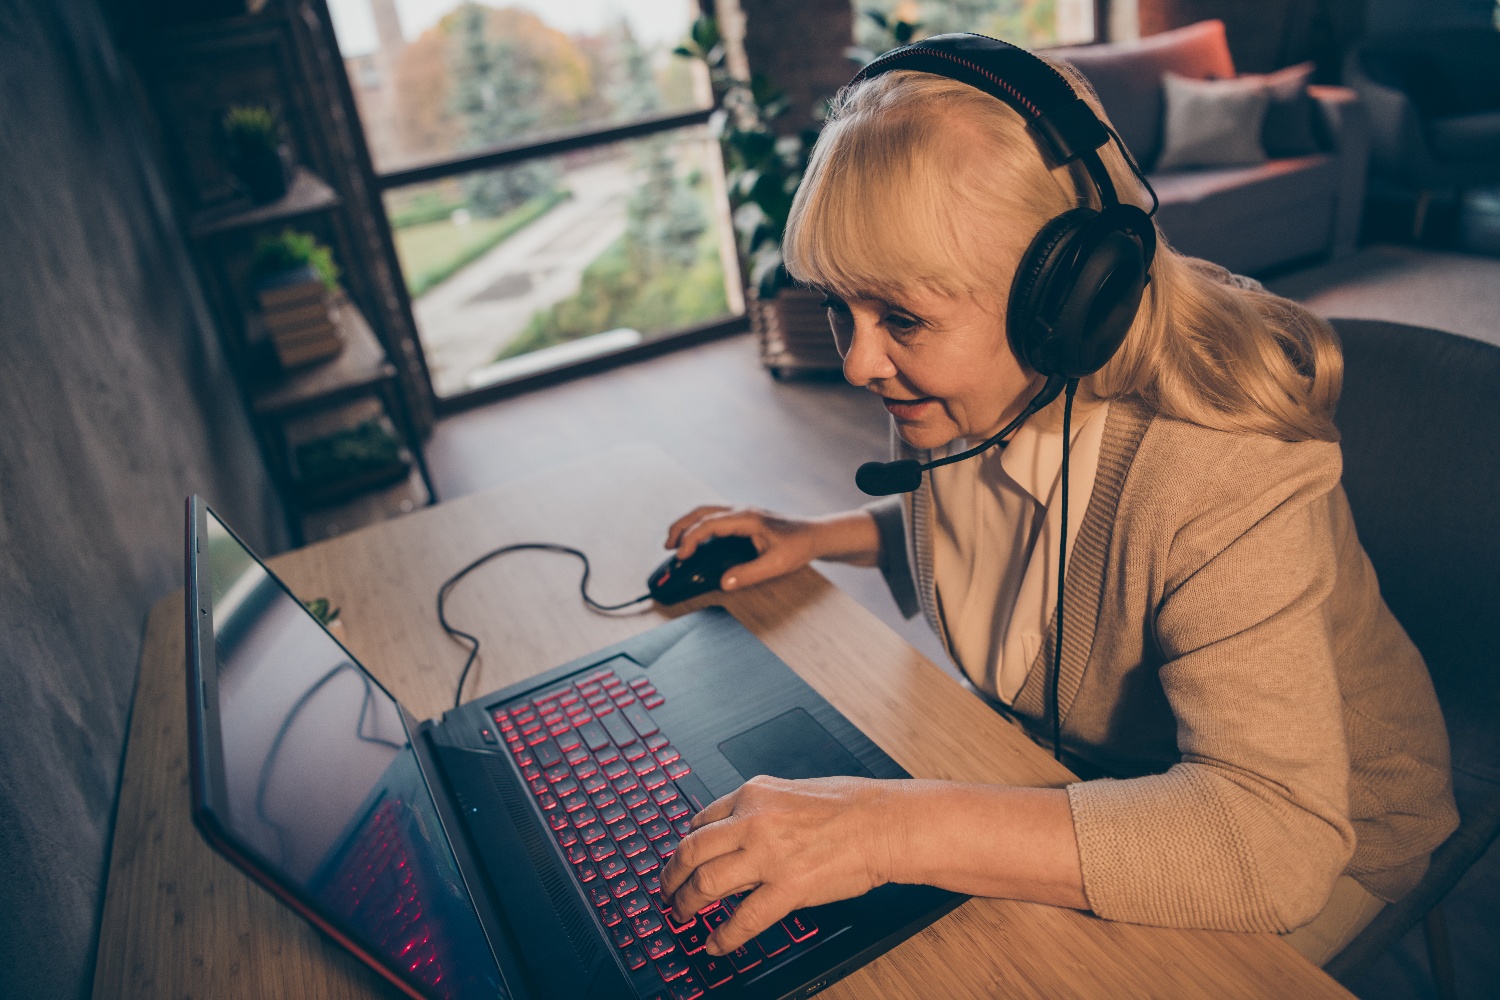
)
(114, 404)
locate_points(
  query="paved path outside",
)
(465, 320)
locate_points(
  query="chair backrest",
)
(1420, 416)
(1127, 77)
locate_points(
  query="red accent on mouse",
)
(679, 580)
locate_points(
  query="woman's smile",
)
(909, 409)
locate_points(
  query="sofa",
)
(1249, 219)
(1433, 99)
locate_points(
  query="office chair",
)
(1420, 416)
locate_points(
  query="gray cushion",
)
(1127, 77)
(1212, 123)
(1466, 137)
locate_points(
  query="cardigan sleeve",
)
(890, 518)
(1249, 831)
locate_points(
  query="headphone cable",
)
(1062, 566)
(473, 640)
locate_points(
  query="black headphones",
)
(1080, 282)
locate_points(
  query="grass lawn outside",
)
(432, 252)
(613, 292)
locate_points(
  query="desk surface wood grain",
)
(181, 922)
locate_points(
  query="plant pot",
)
(355, 460)
(793, 332)
(263, 173)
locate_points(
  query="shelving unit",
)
(306, 194)
(361, 372)
(195, 64)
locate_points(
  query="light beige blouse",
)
(995, 540)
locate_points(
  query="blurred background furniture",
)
(1421, 426)
(196, 62)
(1249, 219)
(1433, 102)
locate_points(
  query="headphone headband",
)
(1064, 125)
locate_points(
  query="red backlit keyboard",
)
(377, 889)
(606, 779)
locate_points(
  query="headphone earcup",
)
(1034, 276)
(1078, 290)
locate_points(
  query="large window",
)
(1032, 23)
(552, 191)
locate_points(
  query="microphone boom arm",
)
(885, 478)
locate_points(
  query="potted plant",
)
(888, 32)
(293, 250)
(323, 610)
(349, 462)
(296, 284)
(258, 158)
(762, 169)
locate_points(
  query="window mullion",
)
(510, 155)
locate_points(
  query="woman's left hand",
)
(794, 843)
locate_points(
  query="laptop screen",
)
(322, 787)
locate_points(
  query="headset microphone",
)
(880, 479)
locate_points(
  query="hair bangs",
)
(872, 217)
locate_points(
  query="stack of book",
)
(794, 334)
(299, 316)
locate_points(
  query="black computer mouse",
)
(678, 580)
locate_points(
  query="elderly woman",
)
(1260, 742)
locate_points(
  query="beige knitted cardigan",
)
(1227, 656)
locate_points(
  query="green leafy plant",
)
(322, 609)
(365, 446)
(762, 168)
(893, 32)
(250, 128)
(289, 250)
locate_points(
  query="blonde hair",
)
(922, 181)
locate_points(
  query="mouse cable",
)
(473, 640)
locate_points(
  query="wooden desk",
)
(181, 922)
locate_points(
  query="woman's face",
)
(942, 365)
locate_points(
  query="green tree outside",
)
(1024, 22)
(663, 273)
(496, 87)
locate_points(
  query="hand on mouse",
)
(785, 543)
(795, 843)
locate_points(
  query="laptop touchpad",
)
(792, 745)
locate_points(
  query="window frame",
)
(505, 155)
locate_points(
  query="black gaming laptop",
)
(514, 848)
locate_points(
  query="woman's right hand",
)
(784, 543)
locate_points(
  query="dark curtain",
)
(1269, 34)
